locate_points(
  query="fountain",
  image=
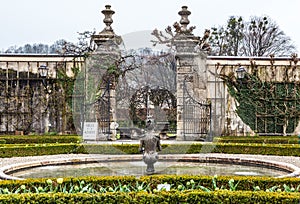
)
(168, 164)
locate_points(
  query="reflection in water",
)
(138, 168)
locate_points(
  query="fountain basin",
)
(193, 160)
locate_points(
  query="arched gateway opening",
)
(158, 104)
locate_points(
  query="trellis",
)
(30, 104)
(268, 97)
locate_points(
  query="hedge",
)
(172, 196)
(39, 139)
(246, 183)
(193, 148)
(259, 139)
(7, 151)
(161, 197)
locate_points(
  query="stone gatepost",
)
(100, 82)
(191, 69)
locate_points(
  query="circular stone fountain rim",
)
(293, 170)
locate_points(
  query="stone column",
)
(99, 62)
(191, 68)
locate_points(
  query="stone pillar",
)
(98, 75)
(191, 68)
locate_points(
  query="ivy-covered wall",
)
(264, 102)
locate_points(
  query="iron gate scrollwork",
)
(103, 109)
(196, 117)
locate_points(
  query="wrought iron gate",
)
(104, 112)
(196, 118)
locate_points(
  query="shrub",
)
(193, 148)
(39, 139)
(88, 190)
(259, 139)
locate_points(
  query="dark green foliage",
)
(267, 107)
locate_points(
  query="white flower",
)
(164, 186)
(231, 181)
(49, 181)
(257, 188)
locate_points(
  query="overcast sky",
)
(45, 21)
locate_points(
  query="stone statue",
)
(148, 145)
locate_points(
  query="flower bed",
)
(147, 189)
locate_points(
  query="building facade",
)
(211, 99)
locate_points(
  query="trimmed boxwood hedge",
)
(39, 139)
(246, 183)
(7, 151)
(161, 197)
(258, 139)
(193, 148)
(173, 196)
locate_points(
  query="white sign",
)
(90, 130)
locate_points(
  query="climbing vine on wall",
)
(267, 107)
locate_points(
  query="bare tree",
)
(227, 40)
(263, 37)
(260, 36)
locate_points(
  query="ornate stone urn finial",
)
(107, 34)
(108, 18)
(182, 26)
(184, 13)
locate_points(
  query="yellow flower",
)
(60, 180)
